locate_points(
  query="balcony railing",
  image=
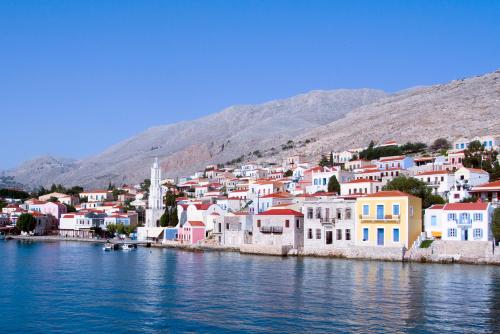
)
(378, 219)
(327, 220)
(271, 229)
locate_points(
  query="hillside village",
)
(387, 201)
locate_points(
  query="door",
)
(380, 236)
(329, 237)
(466, 234)
(380, 212)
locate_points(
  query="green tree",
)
(474, 155)
(112, 229)
(145, 185)
(26, 222)
(495, 172)
(70, 208)
(496, 224)
(324, 161)
(53, 199)
(416, 188)
(288, 173)
(3, 204)
(165, 218)
(440, 144)
(333, 185)
(174, 220)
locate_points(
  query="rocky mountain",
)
(312, 124)
(465, 107)
(188, 146)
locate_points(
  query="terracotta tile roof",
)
(390, 193)
(392, 158)
(494, 185)
(277, 195)
(281, 212)
(436, 207)
(434, 172)
(466, 206)
(196, 223)
(202, 206)
(363, 180)
(476, 170)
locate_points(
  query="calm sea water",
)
(73, 288)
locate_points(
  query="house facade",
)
(282, 228)
(460, 221)
(388, 219)
(328, 224)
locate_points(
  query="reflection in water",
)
(69, 287)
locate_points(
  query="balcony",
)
(327, 220)
(386, 219)
(271, 229)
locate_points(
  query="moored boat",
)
(128, 247)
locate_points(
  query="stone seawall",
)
(471, 252)
(357, 252)
(265, 250)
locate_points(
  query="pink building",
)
(191, 232)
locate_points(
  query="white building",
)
(320, 179)
(328, 224)
(279, 228)
(465, 179)
(156, 207)
(360, 186)
(460, 221)
(440, 181)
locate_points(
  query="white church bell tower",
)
(155, 201)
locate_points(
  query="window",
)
(318, 213)
(297, 223)
(478, 216)
(309, 233)
(433, 221)
(366, 210)
(318, 233)
(395, 209)
(258, 223)
(380, 211)
(347, 213)
(365, 234)
(347, 234)
(452, 232)
(287, 223)
(395, 235)
(411, 211)
(327, 213)
(339, 214)
(310, 213)
(339, 234)
(452, 216)
(478, 233)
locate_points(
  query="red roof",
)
(277, 195)
(494, 184)
(363, 180)
(196, 223)
(434, 172)
(476, 170)
(436, 207)
(281, 212)
(466, 206)
(390, 193)
(393, 158)
(202, 206)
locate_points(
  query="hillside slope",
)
(466, 107)
(187, 146)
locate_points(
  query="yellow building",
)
(389, 219)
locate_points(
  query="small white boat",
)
(129, 247)
(108, 247)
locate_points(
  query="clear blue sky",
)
(76, 77)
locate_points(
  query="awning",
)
(153, 232)
(437, 234)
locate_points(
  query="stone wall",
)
(451, 251)
(265, 250)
